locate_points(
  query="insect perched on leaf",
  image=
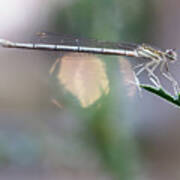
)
(156, 58)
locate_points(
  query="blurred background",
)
(79, 118)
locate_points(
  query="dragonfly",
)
(156, 57)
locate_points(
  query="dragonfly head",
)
(171, 55)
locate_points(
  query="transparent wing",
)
(55, 38)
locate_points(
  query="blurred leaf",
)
(84, 76)
(112, 136)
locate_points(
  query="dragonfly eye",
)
(171, 54)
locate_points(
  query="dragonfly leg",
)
(170, 77)
(151, 74)
(140, 71)
(136, 83)
(154, 64)
(154, 82)
(145, 67)
(138, 66)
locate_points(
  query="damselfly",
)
(155, 56)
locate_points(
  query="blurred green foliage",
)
(106, 128)
(107, 20)
(106, 121)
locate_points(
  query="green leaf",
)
(163, 94)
